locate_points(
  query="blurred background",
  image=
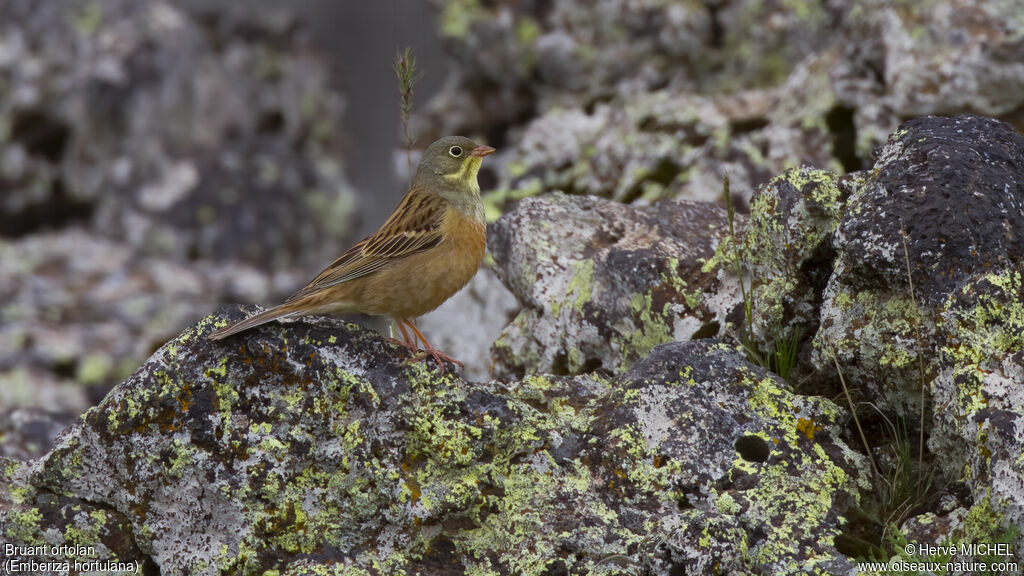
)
(161, 158)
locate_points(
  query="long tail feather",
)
(252, 321)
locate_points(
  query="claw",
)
(428, 349)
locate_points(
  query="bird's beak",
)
(481, 151)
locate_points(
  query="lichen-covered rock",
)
(979, 390)
(513, 58)
(309, 447)
(920, 58)
(785, 254)
(644, 100)
(80, 312)
(181, 137)
(152, 164)
(943, 206)
(601, 283)
(653, 146)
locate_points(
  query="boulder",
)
(602, 283)
(312, 445)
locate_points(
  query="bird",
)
(427, 250)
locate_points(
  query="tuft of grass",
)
(783, 359)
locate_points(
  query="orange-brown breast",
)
(421, 282)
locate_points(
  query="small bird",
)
(426, 251)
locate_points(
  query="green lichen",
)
(985, 332)
(651, 329)
(182, 460)
(87, 529)
(582, 284)
(24, 525)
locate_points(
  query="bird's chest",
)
(444, 270)
(463, 249)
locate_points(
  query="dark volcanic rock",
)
(943, 206)
(952, 190)
(926, 302)
(299, 446)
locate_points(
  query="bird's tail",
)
(281, 311)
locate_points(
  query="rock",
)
(919, 59)
(925, 301)
(299, 447)
(784, 254)
(944, 205)
(152, 164)
(193, 139)
(81, 313)
(639, 101)
(978, 392)
(26, 433)
(602, 284)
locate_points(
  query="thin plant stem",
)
(920, 357)
(853, 410)
(405, 70)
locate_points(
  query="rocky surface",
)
(149, 125)
(152, 164)
(629, 432)
(925, 301)
(783, 256)
(602, 283)
(644, 100)
(80, 311)
(28, 433)
(299, 447)
(942, 209)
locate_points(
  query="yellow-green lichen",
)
(182, 459)
(24, 525)
(651, 329)
(582, 284)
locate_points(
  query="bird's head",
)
(455, 160)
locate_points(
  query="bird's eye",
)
(455, 151)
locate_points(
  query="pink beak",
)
(481, 151)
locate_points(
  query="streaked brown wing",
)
(413, 227)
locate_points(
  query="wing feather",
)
(414, 226)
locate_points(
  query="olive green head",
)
(454, 160)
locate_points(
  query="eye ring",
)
(455, 151)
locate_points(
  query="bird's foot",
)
(439, 357)
(404, 344)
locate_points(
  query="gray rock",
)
(639, 101)
(301, 447)
(925, 301)
(601, 283)
(784, 254)
(80, 313)
(978, 392)
(181, 137)
(27, 433)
